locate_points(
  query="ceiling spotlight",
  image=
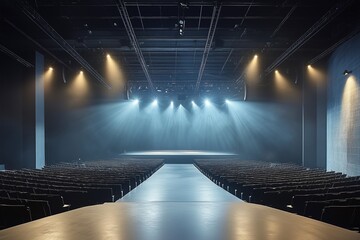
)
(107, 55)
(227, 101)
(276, 71)
(347, 72)
(136, 101)
(50, 68)
(309, 66)
(81, 72)
(192, 102)
(184, 4)
(155, 102)
(181, 26)
(172, 103)
(207, 102)
(255, 56)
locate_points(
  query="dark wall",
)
(343, 109)
(314, 118)
(16, 114)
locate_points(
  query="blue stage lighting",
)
(155, 102)
(192, 102)
(136, 101)
(207, 102)
(227, 101)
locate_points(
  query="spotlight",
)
(155, 102)
(347, 72)
(108, 55)
(181, 26)
(207, 102)
(227, 101)
(50, 68)
(81, 72)
(309, 66)
(276, 71)
(172, 103)
(192, 102)
(255, 56)
(136, 101)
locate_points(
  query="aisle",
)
(178, 183)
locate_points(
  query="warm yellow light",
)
(79, 89)
(48, 75)
(350, 103)
(253, 70)
(283, 86)
(309, 66)
(316, 76)
(255, 56)
(114, 76)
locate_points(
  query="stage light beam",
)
(155, 103)
(207, 102)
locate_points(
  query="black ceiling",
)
(173, 61)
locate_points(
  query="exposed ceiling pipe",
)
(242, 75)
(35, 17)
(36, 43)
(208, 44)
(333, 47)
(131, 33)
(283, 21)
(320, 24)
(15, 56)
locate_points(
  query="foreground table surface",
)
(177, 220)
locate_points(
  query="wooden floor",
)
(177, 202)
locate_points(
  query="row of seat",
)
(313, 193)
(30, 194)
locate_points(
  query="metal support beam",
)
(15, 56)
(208, 44)
(320, 24)
(35, 17)
(36, 43)
(333, 47)
(284, 20)
(131, 33)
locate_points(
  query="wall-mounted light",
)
(347, 72)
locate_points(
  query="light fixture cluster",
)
(181, 26)
(155, 102)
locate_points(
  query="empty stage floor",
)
(179, 183)
(177, 203)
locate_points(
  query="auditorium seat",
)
(284, 186)
(56, 202)
(67, 186)
(12, 215)
(343, 216)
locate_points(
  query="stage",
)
(179, 156)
